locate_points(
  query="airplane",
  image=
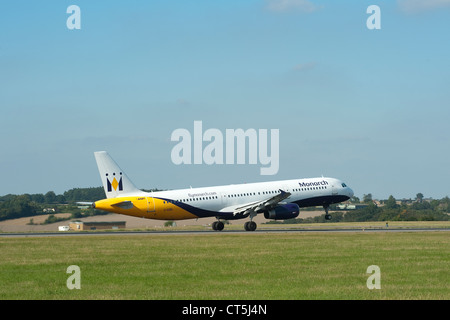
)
(278, 200)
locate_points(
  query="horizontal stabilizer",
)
(83, 203)
(123, 204)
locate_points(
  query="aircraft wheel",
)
(217, 225)
(328, 217)
(250, 226)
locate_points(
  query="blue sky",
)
(370, 107)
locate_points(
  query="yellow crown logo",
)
(115, 184)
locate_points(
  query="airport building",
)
(104, 225)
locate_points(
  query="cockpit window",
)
(344, 185)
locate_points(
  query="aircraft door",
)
(150, 204)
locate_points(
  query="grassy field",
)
(413, 265)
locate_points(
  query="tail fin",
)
(115, 181)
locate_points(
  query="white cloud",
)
(418, 6)
(291, 5)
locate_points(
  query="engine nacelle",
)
(283, 212)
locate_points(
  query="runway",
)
(211, 232)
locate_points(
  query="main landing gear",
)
(218, 225)
(248, 226)
(327, 215)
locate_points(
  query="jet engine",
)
(283, 212)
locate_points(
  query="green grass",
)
(414, 265)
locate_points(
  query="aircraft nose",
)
(350, 192)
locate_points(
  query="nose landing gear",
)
(327, 215)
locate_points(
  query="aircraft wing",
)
(254, 207)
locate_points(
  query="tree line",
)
(28, 205)
(390, 210)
